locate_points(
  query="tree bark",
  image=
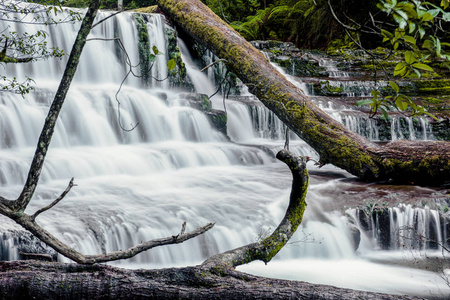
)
(406, 161)
(43, 280)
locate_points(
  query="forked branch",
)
(28, 223)
(66, 191)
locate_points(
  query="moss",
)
(323, 88)
(433, 100)
(144, 47)
(147, 10)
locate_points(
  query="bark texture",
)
(417, 162)
(41, 280)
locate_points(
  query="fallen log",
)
(44, 280)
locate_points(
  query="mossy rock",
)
(147, 10)
(198, 101)
(441, 130)
(218, 120)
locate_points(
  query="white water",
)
(172, 168)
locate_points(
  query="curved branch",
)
(266, 249)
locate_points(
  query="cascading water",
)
(174, 167)
(350, 87)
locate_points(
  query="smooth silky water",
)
(174, 167)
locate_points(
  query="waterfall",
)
(403, 227)
(173, 167)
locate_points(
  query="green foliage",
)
(25, 47)
(397, 100)
(419, 33)
(259, 26)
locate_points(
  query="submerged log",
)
(421, 162)
(43, 280)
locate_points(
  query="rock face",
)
(347, 78)
(18, 244)
(217, 118)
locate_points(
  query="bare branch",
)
(27, 222)
(270, 246)
(209, 66)
(183, 228)
(91, 259)
(338, 20)
(37, 256)
(104, 19)
(69, 187)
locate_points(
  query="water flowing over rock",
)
(177, 165)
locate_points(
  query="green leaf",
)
(409, 57)
(422, 66)
(427, 17)
(364, 102)
(431, 115)
(394, 86)
(402, 14)
(385, 114)
(445, 3)
(152, 58)
(438, 47)
(417, 73)
(155, 50)
(446, 16)
(375, 93)
(401, 105)
(400, 69)
(387, 34)
(434, 12)
(428, 44)
(171, 64)
(421, 31)
(401, 22)
(412, 26)
(409, 39)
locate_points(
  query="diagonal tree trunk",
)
(406, 161)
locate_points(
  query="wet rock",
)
(218, 119)
(18, 244)
(355, 236)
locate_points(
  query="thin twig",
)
(104, 19)
(66, 191)
(216, 62)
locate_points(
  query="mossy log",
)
(43, 280)
(421, 162)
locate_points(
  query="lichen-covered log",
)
(334, 142)
(43, 280)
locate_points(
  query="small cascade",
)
(330, 66)
(404, 227)
(410, 128)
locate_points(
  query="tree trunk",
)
(406, 161)
(42, 280)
